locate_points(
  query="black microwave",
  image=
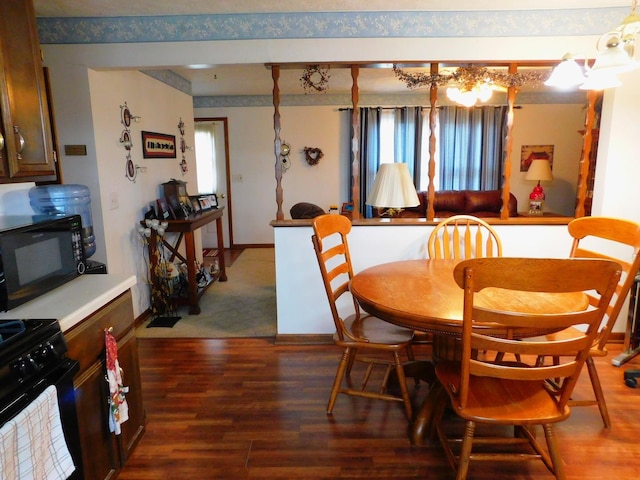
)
(37, 254)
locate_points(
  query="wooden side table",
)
(185, 228)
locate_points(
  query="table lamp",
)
(393, 190)
(539, 170)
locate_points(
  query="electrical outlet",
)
(114, 201)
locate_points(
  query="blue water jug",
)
(66, 200)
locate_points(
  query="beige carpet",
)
(243, 306)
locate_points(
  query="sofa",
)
(485, 203)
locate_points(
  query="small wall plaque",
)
(75, 149)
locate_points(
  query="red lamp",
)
(539, 170)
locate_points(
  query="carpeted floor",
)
(243, 306)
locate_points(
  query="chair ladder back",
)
(615, 230)
(578, 275)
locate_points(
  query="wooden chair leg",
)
(597, 390)
(337, 382)
(552, 445)
(403, 386)
(465, 451)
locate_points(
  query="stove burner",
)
(10, 329)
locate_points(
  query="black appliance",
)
(37, 254)
(33, 357)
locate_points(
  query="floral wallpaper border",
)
(185, 28)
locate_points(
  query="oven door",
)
(62, 378)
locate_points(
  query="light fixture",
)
(471, 84)
(601, 81)
(567, 74)
(539, 170)
(616, 52)
(468, 96)
(392, 190)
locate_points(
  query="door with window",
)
(212, 160)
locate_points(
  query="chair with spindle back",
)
(463, 237)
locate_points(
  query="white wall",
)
(160, 108)
(302, 302)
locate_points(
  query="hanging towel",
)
(118, 408)
(33, 444)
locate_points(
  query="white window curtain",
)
(206, 157)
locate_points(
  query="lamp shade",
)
(567, 74)
(393, 187)
(539, 170)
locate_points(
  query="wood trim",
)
(313, 339)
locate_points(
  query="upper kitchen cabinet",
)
(26, 146)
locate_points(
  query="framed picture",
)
(208, 201)
(529, 153)
(164, 212)
(158, 145)
(195, 204)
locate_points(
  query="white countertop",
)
(75, 300)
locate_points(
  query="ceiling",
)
(256, 79)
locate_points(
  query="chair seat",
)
(500, 401)
(372, 330)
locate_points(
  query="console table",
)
(185, 229)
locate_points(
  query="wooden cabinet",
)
(26, 148)
(104, 453)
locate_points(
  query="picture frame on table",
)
(163, 210)
(195, 204)
(208, 201)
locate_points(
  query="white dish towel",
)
(32, 445)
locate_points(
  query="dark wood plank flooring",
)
(249, 409)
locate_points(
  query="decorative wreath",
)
(313, 155)
(315, 79)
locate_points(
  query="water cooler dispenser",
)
(69, 199)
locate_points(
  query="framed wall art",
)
(529, 153)
(158, 145)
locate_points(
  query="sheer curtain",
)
(471, 147)
(205, 139)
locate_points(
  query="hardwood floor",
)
(246, 408)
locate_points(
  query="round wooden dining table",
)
(423, 295)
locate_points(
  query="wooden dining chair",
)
(512, 393)
(623, 237)
(357, 332)
(462, 237)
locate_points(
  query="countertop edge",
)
(74, 301)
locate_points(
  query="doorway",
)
(215, 168)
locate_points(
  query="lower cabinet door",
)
(100, 458)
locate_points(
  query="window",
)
(469, 145)
(206, 157)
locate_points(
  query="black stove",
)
(29, 350)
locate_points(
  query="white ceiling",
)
(256, 79)
(118, 8)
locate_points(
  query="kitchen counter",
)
(74, 301)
